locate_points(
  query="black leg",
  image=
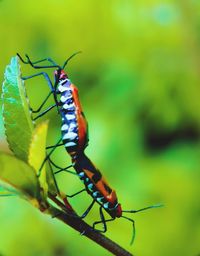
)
(66, 170)
(64, 199)
(47, 157)
(54, 65)
(53, 177)
(60, 169)
(35, 62)
(76, 193)
(45, 75)
(41, 106)
(34, 66)
(103, 221)
(133, 222)
(45, 111)
(88, 210)
(61, 144)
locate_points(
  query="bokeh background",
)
(138, 79)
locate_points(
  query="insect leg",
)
(76, 193)
(61, 195)
(43, 103)
(51, 169)
(45, 75)
(58, 145)
(54, 65)
(88, 210)
(61, 144)
(60, 169)
(47, 157)
(45, 111)
(103, 221)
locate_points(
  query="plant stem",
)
(70, 218)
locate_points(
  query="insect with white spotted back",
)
(74, 127)
(101, 192)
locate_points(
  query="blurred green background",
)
(138, 80)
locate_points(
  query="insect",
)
(74, 127)
(98, 188)
(75, 139)
(101, 192)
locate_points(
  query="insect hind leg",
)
(77, 193)
(60, 169)
(44, 112)
(43, 103)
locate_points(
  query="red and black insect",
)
(98, 188)
(74, 127)
(75, 139)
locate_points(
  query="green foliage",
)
(26, 142)
(16, 114)
(37, 154)
(18, 177)
(139, 69)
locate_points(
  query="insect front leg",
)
(103, 221)
(45, 75)
(54, 65)
(52, 91)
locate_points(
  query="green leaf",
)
(37, 153)
(19, 178)
(17, 120)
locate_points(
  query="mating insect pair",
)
(74, 138)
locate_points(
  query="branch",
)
(70, 218)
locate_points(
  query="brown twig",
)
(69, 217)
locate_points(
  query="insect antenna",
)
(134, 211)
(145, 208)
(65, 63)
